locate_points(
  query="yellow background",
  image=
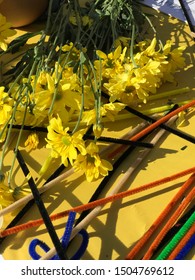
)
(120, 224)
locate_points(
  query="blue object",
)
(186, 249)
(64, 240)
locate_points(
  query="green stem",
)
(16, 80)
(9, 133)
(18, 140)
(49, 17)
(56, 87)
(166, 94)
(82, 98)
(127, 116)
(132, 46)
(54, 43)
(78, 20)
(98, 112)
(153, 28)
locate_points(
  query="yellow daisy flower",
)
(175, 61)
(110, 64)
(5, 111)
(6, 194)
(97, 130)
(91, 163)
(109, 110)
(32, 141)
(5, 107)
(62, 144)
(71, 53)
(89, 117)
(86, 20)
(21, 191)
(122, 41)
(112, 109)
(175, 56)
(1, 218)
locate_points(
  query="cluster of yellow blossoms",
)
(62, 96)
(128, 80)
(82, 155)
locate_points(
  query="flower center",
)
(65, 141)
(90, 159)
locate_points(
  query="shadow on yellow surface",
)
(121, 224)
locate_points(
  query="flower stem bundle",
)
(84, 50)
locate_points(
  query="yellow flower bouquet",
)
(90, 62)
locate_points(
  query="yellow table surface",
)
(120, 224)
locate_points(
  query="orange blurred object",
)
(22, 12)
